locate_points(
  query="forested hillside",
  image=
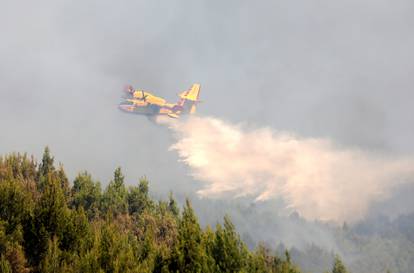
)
(378, 243)
(373, 245)
(51, 225)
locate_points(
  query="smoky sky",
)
(335, 69)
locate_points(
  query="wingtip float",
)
(144, 103)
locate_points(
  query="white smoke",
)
(312, 176)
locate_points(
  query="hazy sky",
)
(336, 69)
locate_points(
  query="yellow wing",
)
(148, 98)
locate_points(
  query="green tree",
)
(15, 204)
(262, 260)
(76, 233)
(189, 253)
(52, 261)
(46, 171)
(90, 255)
(138, 198)
(3, 237)
(18, 166)
(49, 219)
(116, 250)
(230, 253)
(115, 196)
(172, 205)
(338, 266)
(209, 238)
(47, 164)
(4, 265)
(15, 256)
(64, 182)
(86, 194)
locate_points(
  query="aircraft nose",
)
(123, 107)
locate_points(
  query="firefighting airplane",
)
(145, 103)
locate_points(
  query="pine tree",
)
(17, 259)
(138, 198)
(47, 165)
(116, 250)
(189, 253)
(15, 204)
(17, 166)
(46, 170)
(49, 220)
(229, 251)
(4, 265)
(86, 194)
(209, 237)
(89, 258)
(172, 205)
(115, 196)
(338, 266)
(76, 233)
(64, 182)
(52, 261)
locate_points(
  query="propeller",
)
(129, 89)
(144, 97)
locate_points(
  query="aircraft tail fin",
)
(191, 94)
(189, 99)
